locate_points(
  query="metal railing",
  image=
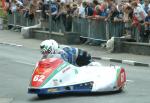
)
(19, 20)
(88, 28)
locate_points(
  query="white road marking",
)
(105, 58)
(130, 81)
(131, 62)
(6, 100)
(22, 62)
(11, 44)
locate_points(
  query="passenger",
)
(69, 54)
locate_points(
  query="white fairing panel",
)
(104, 78)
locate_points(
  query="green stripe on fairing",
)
(118, 71)
(55, 72)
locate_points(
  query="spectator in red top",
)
(95, 3)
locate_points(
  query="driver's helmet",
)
(49, 46)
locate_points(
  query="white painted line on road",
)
(128, 62)
(6, 100)
(16, 45)
(130, 81)
(105, 58)
(22, 62)
(11, 44)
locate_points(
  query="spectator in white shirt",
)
(82, 11)
(138, 12)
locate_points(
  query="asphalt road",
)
(17, 64)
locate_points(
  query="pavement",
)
(12, 38)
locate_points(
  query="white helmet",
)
(49, 46)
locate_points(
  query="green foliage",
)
(2, 15)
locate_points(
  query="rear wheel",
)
(42, 95)
(39, 95)
(120, 89)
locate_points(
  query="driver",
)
(72, 55)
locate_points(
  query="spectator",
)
(147, 25)
(7, 6)
(45, 10)
(95, 3)
(101, 12)
(138, 13)
(19, 3)
(31, 14)
(112, 10)
(139, 16)
(103, 9)
(138, 3)
(19, 6)
(26, 8)
(146, 6)
(54, 8)
(51, 10)
(82, 10)
(74, 8)
(40, 5)
(68, 24)
(95, 6)
(62, 9)
(97, 11)
(119, 15)
(88, 9)
(33, 6)
(13, 7)
(127, 18)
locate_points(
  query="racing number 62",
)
(38, 78)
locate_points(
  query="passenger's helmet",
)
(49, 46)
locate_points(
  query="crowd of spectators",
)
(134, 13)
